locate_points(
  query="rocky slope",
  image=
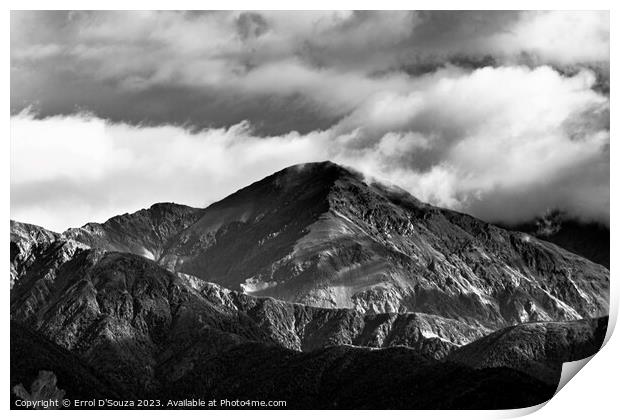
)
(336, 377)
(590, 240)
(538, 349)
(344, 377)
(107, 324)
(145, 232)
(26, 240)
(292, 288)
(319, 234)
(125, 314)
(32, 355)
(117, 324)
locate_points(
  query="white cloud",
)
(494, 131)
(503, 143)
(66, 171)
(558, 36)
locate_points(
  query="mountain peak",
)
(301, 188)
(330, 172)
(326, 166)
(314, 173)
(171, 207)
(324, 235)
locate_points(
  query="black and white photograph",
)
(306, 210)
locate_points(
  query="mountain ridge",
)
(585, 238)
(322, 235)
(143, 331)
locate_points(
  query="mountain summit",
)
(322, 235)
(376, 293)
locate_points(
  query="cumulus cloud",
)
(66, 171)
(501, 114)
(503, 143)
(557, 36)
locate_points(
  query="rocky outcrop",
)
(26, 240)
(146, 232)
(305, 328)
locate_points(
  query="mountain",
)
(588, 239)
(314, 286)
(344, 377)
(32, 354)
(322, 235)
(336, 377)
(125, 313)
(146, 232)
(537, 348)
(107, 324)
(25, 240)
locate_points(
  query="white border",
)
(592, 395)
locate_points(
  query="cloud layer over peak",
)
(500, 114)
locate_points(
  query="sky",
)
(503, 115)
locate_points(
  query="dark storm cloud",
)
(170, 104)
(215, 69)
(207, 69)
(251, 25)
(502, 114)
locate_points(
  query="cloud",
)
(282, 71)
(501, 114)
(563, 37)
(503, 143)
(66, 171)
(509, 37)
